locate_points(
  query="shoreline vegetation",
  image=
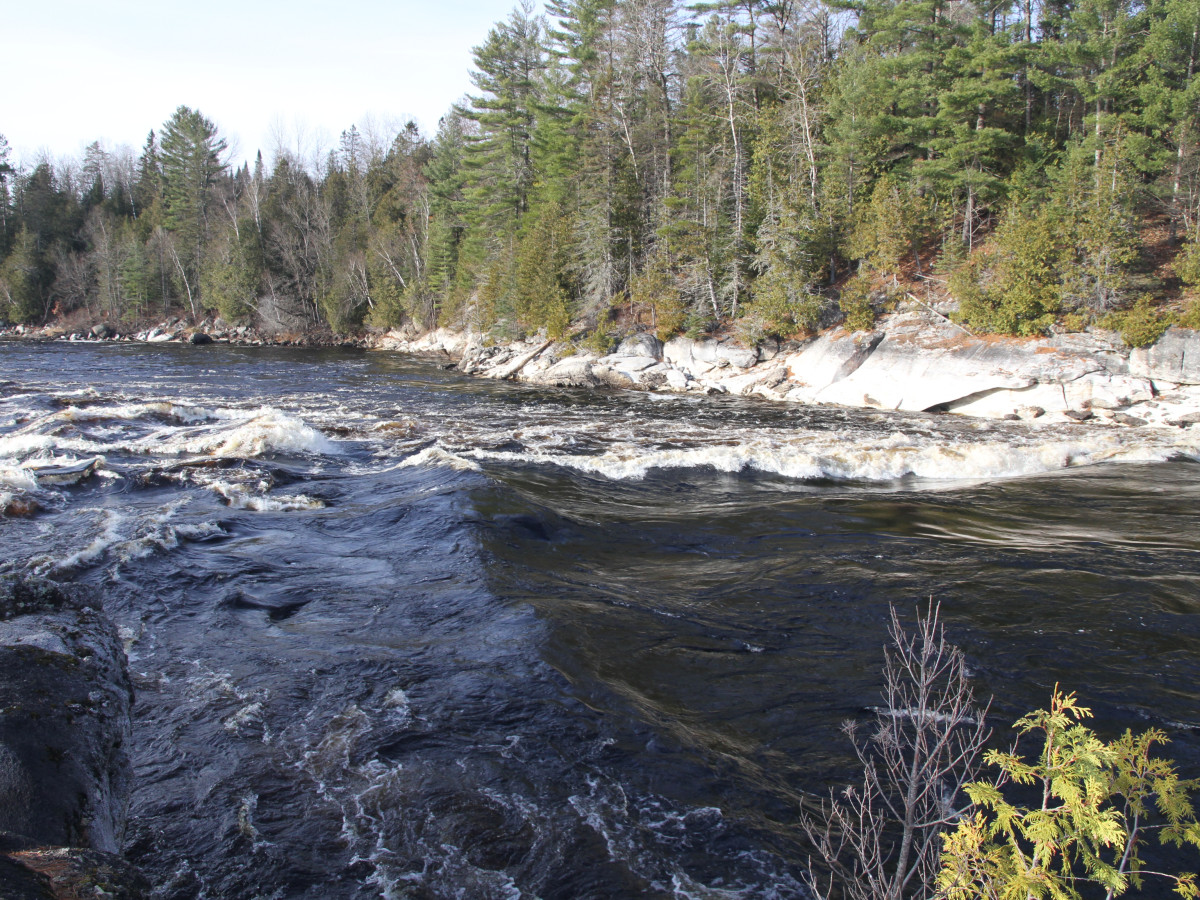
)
(758, 170)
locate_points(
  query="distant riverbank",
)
(913, 360)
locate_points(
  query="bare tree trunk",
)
(1181, 143)
(187, 284)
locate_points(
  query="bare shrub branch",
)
(878, 840)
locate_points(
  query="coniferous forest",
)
(769, 166)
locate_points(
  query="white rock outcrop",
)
(911, 362)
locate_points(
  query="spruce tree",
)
(191, 165)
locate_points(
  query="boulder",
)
(612, 377)
(767, 375)
(902, 374)
(698, 357)
(1027, 403)
(942, 369)
(199, 337)
(739, 357)
(102, 331)
(58, 873)
(830, 358)
(768, 349)
(65, 701)
(653, 376)
(1126, 419)
(675, 379)
(1174, 357)
(630, 365)
(513, 366)
(644, 344)
(681, 353)
(574, 371)
(1100, 390)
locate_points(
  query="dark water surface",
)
(400, 633)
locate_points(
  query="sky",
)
(300, 71)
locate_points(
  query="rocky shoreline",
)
(909, 362)
(178, 331)
(912, 361)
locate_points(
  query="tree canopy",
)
(771, 166)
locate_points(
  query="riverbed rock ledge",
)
(910, 362)
(65, 700)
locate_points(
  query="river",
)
(396, 632)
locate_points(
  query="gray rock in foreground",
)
(65, 700)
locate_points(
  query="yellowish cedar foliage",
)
(1097, 800)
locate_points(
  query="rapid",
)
(398, 632)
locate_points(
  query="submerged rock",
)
(66, 873)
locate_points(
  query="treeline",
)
(768, 164)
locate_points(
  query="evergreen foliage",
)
(1096, 802)
(739, 161)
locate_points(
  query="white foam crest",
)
(14, 476)
(111, 533)
(823, 455)
(132, 411)
(240, 497)
(435, 455)
(200, 531)
(268, 429)
(150, 533)
(23, 444)
(232, 433)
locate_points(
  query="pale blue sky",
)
(110, 70)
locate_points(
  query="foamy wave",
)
(179, 412)
(240, 497)
(826, 457)
(437, 456)
(21, 445)
(268, 430)
(17, 477)
(228, 433)
(201, 531)
(120, 537)
(110, 534)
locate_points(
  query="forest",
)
(765, 166)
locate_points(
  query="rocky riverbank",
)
(179, 331)
(910, 362)
(65, 700)
(914, 360)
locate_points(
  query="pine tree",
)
(498, 158)
(21, 290)
(191, 165)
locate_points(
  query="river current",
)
(396, 632)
